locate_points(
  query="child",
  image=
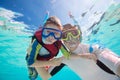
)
(45, 46)
(71, 38)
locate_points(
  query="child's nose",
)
(51, 38)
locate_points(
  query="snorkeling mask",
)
(72, 32)
(46, 32)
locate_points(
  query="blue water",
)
(13, 45)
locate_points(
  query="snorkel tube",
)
(46, 17)
(76, 24)
(74, 20)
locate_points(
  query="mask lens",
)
(51, 32)
(57, 34)
(73, 33)
(64, 35)
(46, 32)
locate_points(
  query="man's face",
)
(72, 40)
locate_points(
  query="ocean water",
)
(14, 42)
(107, 30)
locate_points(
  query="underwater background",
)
(15, 38)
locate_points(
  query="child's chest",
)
(43, 51)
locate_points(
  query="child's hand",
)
(56, 61)
(93, 56)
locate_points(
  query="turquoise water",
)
(12, 58)
(13, 44)
(107, 32)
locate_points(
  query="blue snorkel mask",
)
(46, 32)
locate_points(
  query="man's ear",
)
(81, 38)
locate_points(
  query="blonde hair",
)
(54, 20)
(68, 26)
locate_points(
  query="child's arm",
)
(43, 73)
(52, 62)
(85, 55)
(89, 56)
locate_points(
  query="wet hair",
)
(54, 20)
(69, 26)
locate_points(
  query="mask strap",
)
(76, 24)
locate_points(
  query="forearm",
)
(41, 63)
(89, 56)
(74, 56)
(85, 55)
(43, 73)
(52, 62)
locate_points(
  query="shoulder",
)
(38, 32)
(83, 45)
(38, 35)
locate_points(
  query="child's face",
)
(51, 38)
(72, 39)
